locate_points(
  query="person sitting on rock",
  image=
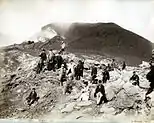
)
(106, 76)
(62, 75)
(135, 78)
(94, 73)
(100, 93)
(150, 78)
(32, 97)
(123, 65)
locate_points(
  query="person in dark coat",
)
(123, 65)
(106, 76)
(150, 77)
(135, 78)
(59, 61)
(94, 73)
(43, 55)
(100, 93)
(79, 70)
(41, 63)
(32, 97)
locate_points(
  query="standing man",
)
(94, 73)
(50, 60)
(79, 70)
(42, 60)
(62, 75)
(106, 76)
(43, 55)
(71, 70)
(59, 60)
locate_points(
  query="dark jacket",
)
(43, 56)
(135, 78)
(94, 71)
(106, 75)
(150, 75)
(33, 95)
(99, 88)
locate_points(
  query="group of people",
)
(69, 71)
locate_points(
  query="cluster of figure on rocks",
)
(69, 71)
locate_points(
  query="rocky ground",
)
(125, 99)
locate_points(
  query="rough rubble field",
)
(125, 99)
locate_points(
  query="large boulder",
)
(69, 108)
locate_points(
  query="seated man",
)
(100, 93)
(135, 78)
(32, 97)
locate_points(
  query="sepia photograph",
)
(81, 61)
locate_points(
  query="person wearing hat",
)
(135, 78)
(100, 93)
(32, 97)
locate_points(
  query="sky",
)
(20, 19)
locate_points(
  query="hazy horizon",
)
(20, 19)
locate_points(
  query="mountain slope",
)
(105, 39)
